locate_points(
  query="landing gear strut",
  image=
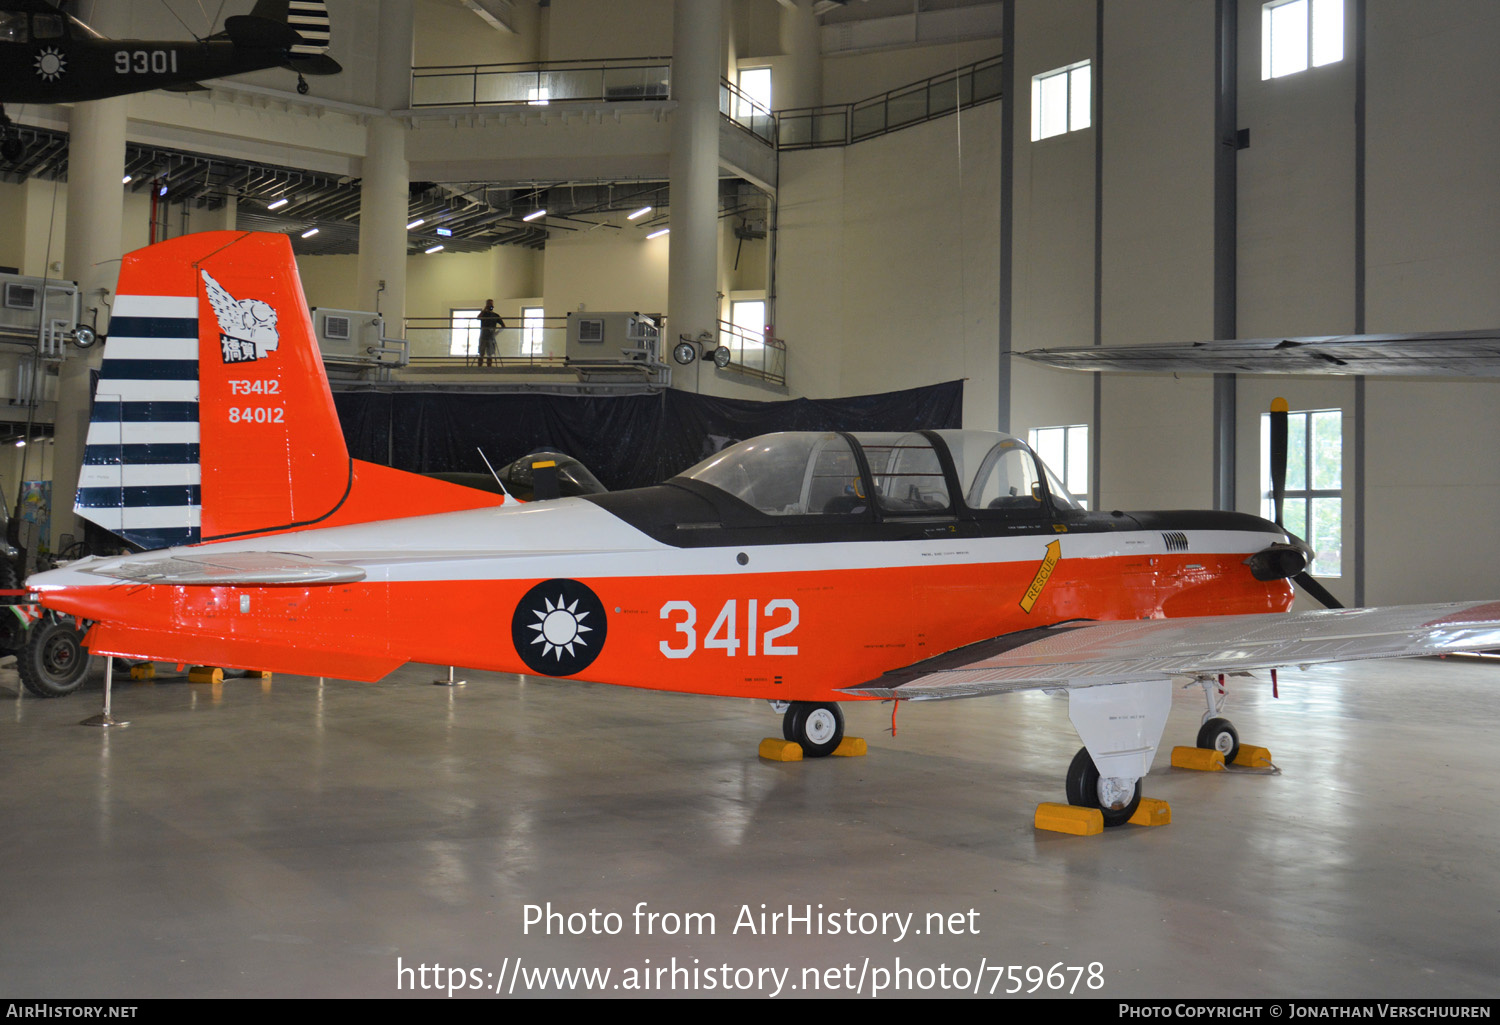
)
(1217, 733)
(816, 726)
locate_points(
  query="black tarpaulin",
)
(627, 441)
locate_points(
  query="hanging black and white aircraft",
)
(49, 56)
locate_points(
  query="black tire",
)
(52, 663)
(1083, 790)
(817, 726)
(1220, 735)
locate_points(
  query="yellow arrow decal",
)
(1043, 574)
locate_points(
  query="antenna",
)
(493, 474)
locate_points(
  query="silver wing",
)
(1075, 655)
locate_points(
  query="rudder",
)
(213, 418)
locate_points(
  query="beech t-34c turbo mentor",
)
(806, 568)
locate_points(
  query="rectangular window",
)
(1065, 450)
(531, 331)
(463, 332)
(1061, 100)
(1299, 34)
(1314, 505)
(755, 84)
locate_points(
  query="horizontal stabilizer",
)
(231, 569)
(314, 64)
(1094, 654)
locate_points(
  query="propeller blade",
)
(1279, 408)
(1316, 591)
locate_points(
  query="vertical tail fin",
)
(213, 417)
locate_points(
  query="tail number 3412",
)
(765, 628)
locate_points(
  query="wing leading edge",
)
(1072, 655)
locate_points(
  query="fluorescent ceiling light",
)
(416, 223)
(535, 214)
(659, 233)
(125, 180)
(278, 204)
(310, 232)
(20, 443)
(434, 248)
(642, 212)
(445, 232)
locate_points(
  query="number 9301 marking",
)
(765, 628)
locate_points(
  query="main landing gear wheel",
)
(53, 662)
(302, 86)
(1116, 798)
(1220, 735)
(818, 727)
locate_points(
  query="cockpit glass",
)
(999, 472)
(791, 474)
(908, 476)
(47, 26)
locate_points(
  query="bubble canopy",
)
(916, 473)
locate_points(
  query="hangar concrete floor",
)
(306, 838)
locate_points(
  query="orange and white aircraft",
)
(806, 569)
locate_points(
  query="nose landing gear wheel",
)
(817, 727)
(1116, 798)
(1221, 736)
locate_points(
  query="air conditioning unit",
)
(336, 328)
(20, 296)
(613, 337)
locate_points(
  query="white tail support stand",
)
(104, 718)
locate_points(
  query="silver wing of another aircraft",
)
(1074, 655)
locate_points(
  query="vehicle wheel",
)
(818, 727)
(1086, 789)
(1220, 735)
(52, 662)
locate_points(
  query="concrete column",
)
(801, 41)
(91, 257)
(383, 196)
(692, 264)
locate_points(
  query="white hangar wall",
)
(1432, 260)
(888, 262)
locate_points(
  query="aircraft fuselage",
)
(629, 589)
(71, 70)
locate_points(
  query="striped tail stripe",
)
(310, 19)
(142, 475)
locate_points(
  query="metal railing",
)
(446, 342)
(842, 124)
(739, 107)
(538, 83)
(758, 355)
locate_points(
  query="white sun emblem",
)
(560, 628)
(50, 64)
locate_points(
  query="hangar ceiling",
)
(479, 215)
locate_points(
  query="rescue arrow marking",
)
(1043, 574)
